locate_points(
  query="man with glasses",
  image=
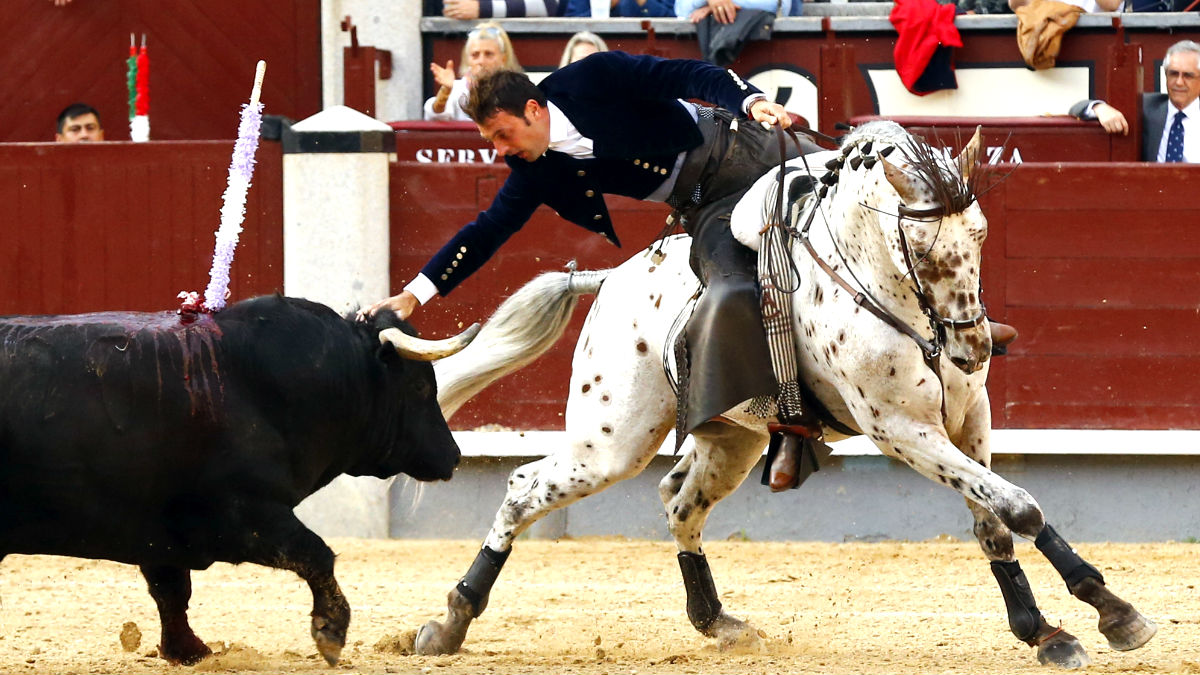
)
(1170, 121)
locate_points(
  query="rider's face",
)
(526, 137)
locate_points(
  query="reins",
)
(930, 349)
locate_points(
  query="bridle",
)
(937, 322)
(931, 350)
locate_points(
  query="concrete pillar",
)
(335, 208)
(335, 251)
(385, 24)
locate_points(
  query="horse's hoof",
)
(1131, 632)
(434, 640)
(329, 638)
(733, 634)
(1064, 651)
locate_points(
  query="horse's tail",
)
(524, 327)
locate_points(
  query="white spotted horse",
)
(893, 341)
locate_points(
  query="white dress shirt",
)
(1191, 132)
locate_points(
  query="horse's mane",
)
(932, 166)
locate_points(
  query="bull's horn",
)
(427, 350)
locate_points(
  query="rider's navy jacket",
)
(627, 105)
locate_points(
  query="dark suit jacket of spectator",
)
(1154, 118)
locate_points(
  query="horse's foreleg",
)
(1055, 646)
(1124, 627)
(722, 458)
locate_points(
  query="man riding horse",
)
(615, 123)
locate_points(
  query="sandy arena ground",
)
(607, 607)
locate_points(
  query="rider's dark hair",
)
(501, 90)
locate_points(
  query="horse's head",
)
(938, 243)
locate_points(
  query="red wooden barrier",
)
(1095, 264)
(107, 226)
(1059, 138)
(1098, 265)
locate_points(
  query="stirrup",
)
(794, 453)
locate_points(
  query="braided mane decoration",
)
(953, 184)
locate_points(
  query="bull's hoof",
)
(1063, 650)
(1129, 631)
(329, 638)
(734, 634)
(185, 653)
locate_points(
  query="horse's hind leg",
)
(723, 456)
(614, 433)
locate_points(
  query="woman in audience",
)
(580, 45)
(487, 48)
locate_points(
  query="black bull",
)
(138, 438)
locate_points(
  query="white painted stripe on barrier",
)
(1004, 442)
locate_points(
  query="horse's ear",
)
(904, 184)
(969, 157)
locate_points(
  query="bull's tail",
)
(524, 327)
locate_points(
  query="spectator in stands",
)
(1170, 133)
(487, 48)
(581, 44)
(498, 9)
(1087, 5)
(626, 8)
(79, 123)
(725, 11)
(984, 7)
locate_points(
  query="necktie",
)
(1175, 139)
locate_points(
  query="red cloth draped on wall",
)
(925, 35)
